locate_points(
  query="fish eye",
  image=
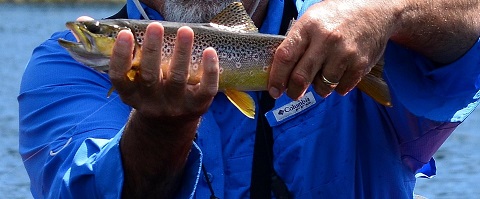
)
(93, 27)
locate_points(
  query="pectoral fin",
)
(242, 101)
(374, 86)
(110, 91)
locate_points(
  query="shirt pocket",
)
(299, 125)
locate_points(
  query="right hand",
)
(164, 100)
(338, 41)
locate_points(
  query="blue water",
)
(25, 26)
(22, 28)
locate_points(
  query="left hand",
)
(339, 40)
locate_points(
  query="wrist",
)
(168, 127)
(392, 13)
(154, 154)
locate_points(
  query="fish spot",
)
(168, 51)
(238, 65)
(255, 57)
(224, 55)
(265, 68)
(220, 70)
(195, 67)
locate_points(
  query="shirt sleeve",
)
(70, 130)
(446, 93)
(429, 102)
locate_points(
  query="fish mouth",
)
(85, 49)
(83, 36)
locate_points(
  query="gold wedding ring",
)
(329, 83)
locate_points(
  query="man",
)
(139, 142)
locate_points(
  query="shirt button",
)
(210, 176)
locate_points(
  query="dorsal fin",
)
(234, 18)
(292, 22)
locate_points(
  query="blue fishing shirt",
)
(338, 147)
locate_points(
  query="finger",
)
(352, 76)
(346, 69)
(339, 58)
(209, 81)
(120, 61)
(304, 72)
(285, 59)
(328, 79)
(178, 71)
(151, 54)
(84, 18)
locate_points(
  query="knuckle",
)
(277, 83)
(335, 36)
(300, 78)
(120, 54)
(310, 63)
(182, 56)
(211, 71)
(284, 55)
(361, 67)
(178, 77)
(211, 90)
(149, 76)
(122, 50)
(350, 53)
(363, 62)
(115, 75)
(150, 48)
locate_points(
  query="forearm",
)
(154, 154)
(442, 30)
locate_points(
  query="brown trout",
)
(245, 56)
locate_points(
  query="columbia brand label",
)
(287, 111)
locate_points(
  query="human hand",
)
(163, 99)
(336, 40)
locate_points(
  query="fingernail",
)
(274, 92)
(212, 57)
(122, 39)
(154, 32)
(185, 37)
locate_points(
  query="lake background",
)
(25, 26)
